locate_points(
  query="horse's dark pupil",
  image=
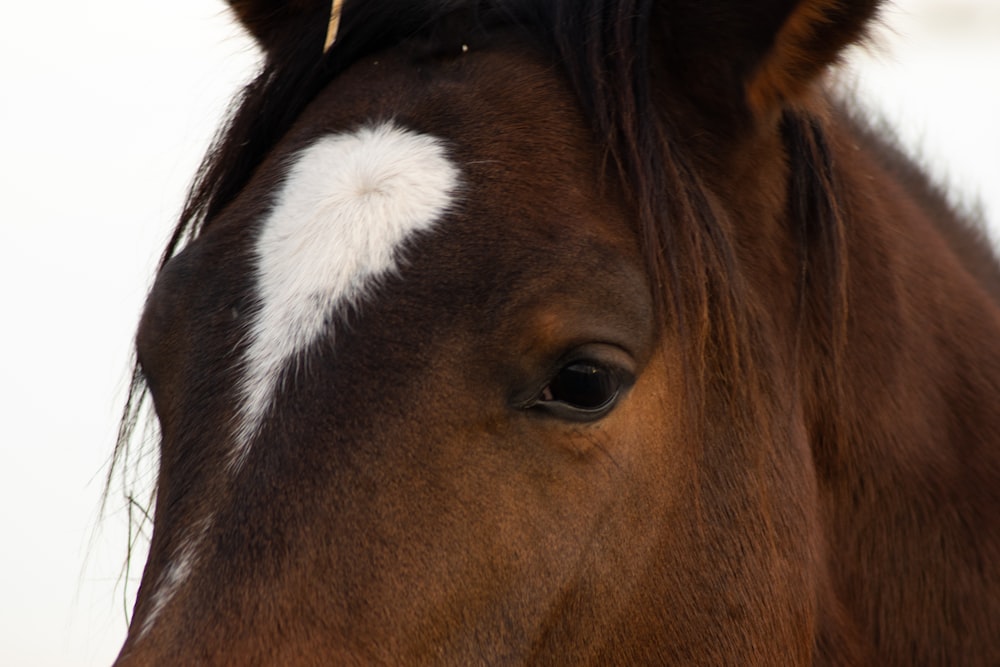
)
(583, 386)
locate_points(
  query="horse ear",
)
(278, 23)
(766, 52)
(812, 37)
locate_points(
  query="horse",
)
(568, 332)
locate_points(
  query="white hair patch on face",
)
(349, 204)
(175, 574)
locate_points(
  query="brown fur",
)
(806, 470)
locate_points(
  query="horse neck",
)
(904, 424)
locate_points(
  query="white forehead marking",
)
(348, 205)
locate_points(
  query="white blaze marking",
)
(348, 205)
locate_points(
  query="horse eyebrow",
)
(348, 206)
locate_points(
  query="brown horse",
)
(568, 332)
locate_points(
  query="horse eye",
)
(582, 391)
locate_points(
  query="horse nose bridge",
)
(270, 513)
(221, 594)
(175, 564)
(253, 617)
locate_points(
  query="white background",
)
(105, 109)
